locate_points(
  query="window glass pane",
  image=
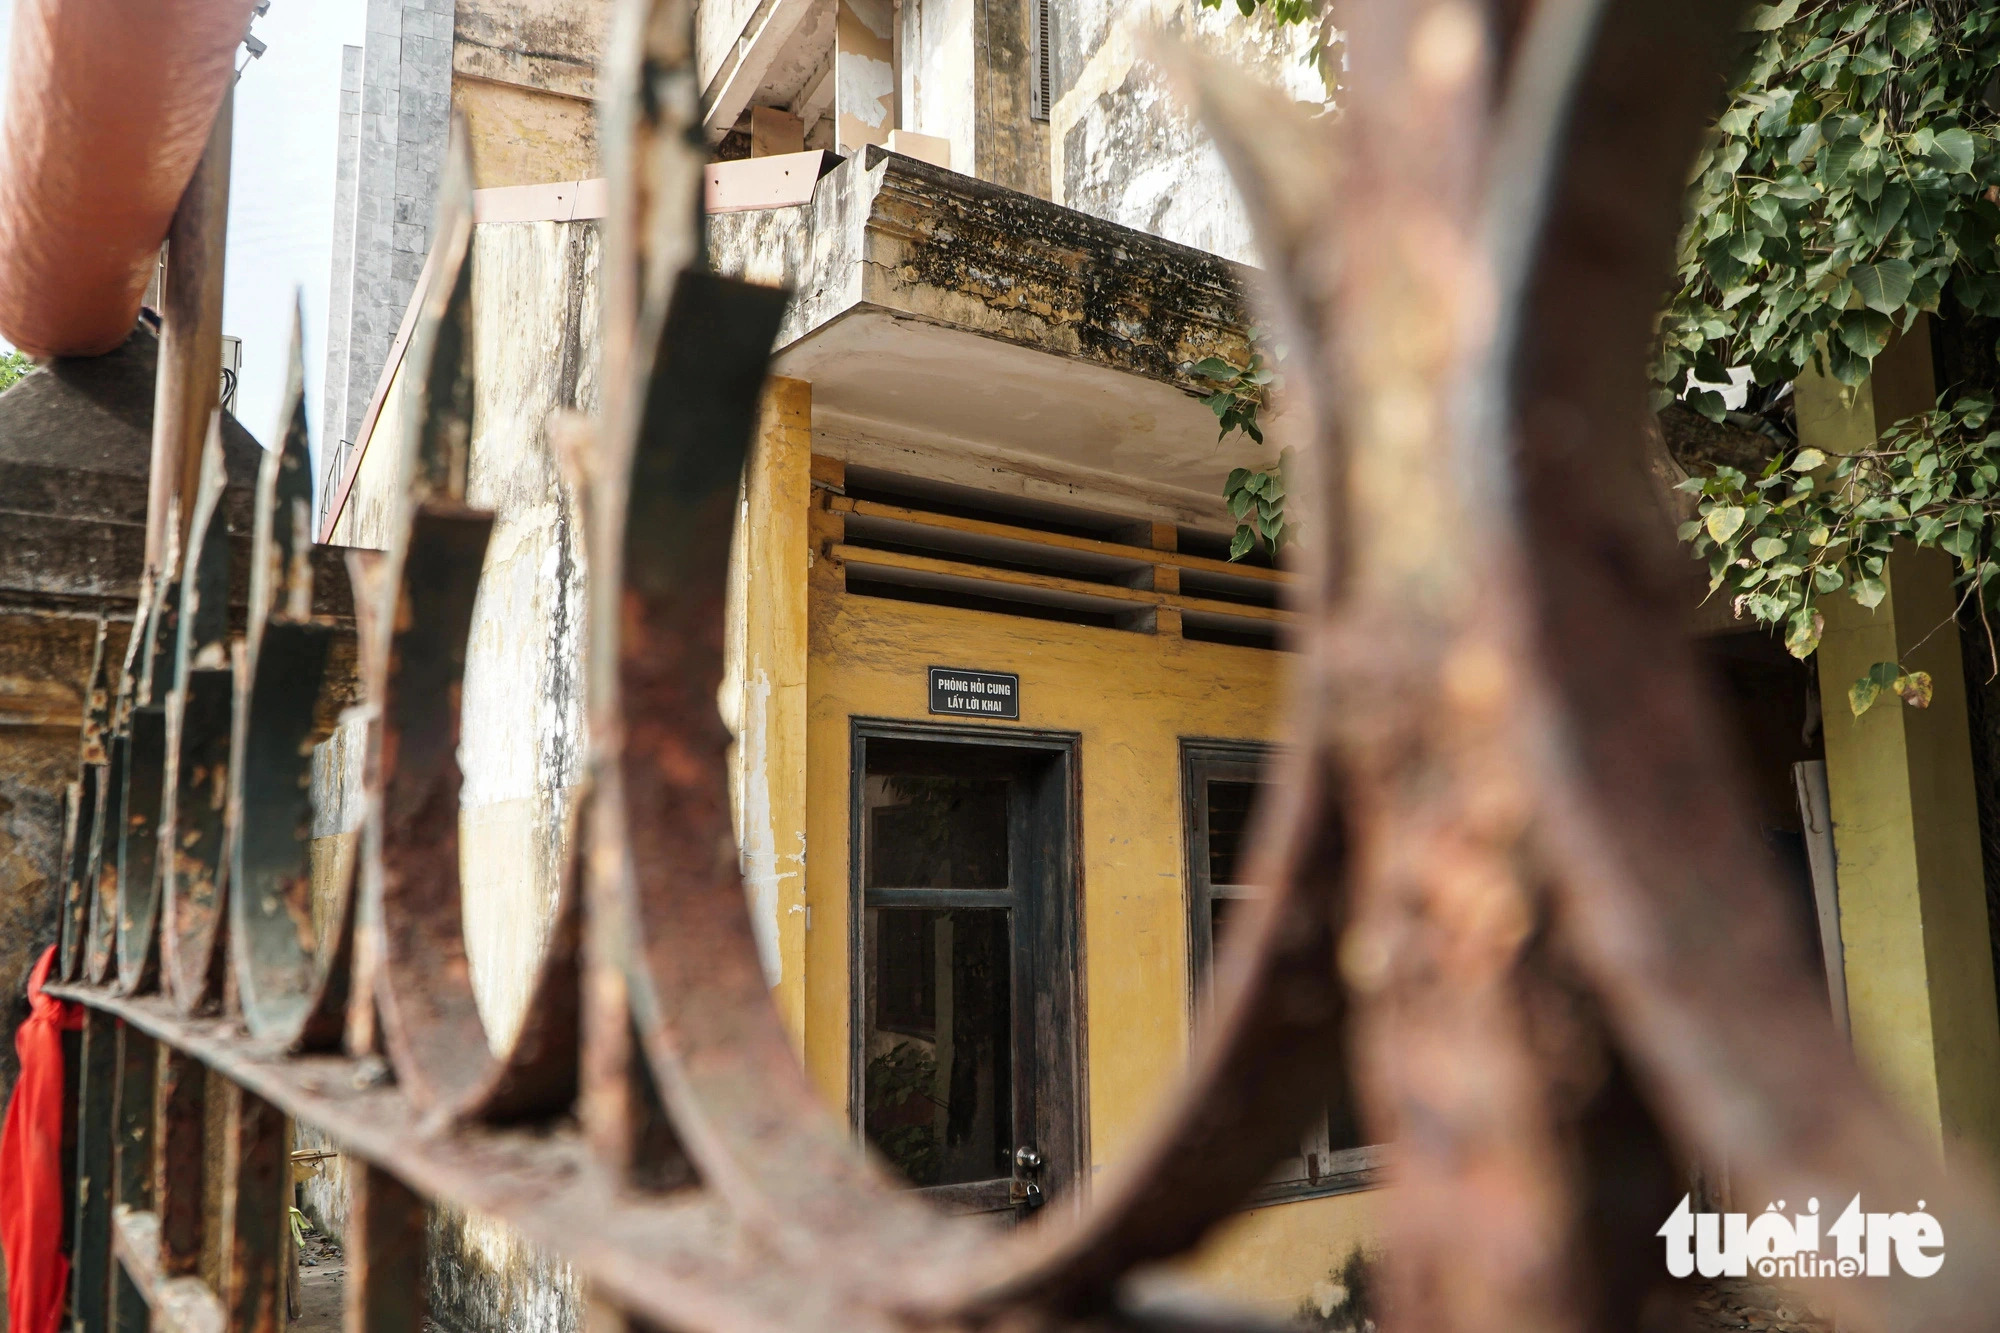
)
(939, 1075)
(927, 832)
(1228, 829)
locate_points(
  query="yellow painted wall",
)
(526, 136)
(764, 687)
(1131, 698)
(1912, 888)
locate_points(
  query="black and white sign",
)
(960, 693)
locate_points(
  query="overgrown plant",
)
(1255, 496)
(1846, 192)
(1814, 525)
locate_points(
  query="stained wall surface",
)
(1123, 148)
(522, 747)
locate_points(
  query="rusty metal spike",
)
(655, 155)
(193, 810)
(292, 984)
(281, 573)
(101, 917)
(204, 623)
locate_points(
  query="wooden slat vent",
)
(914, 541)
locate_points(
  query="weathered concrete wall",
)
(334, 425)
(937, 73)
(718, 25)
(909, 237)
(966, 76)
(44, 675)
(522, 747)
(1123, 149)
(764, 687)
(523, 732)
(524, 73)
(1130, 698)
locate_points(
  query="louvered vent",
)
(1041, 60)
(915, 541)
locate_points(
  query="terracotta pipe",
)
(108, 108)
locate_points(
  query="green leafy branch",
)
(1814, 524)
(1257, 502)
(1237, 393)
(1256, 496)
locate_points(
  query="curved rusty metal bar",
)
(137, 899)
(200, 720)
(430, 1015)
(272, 940)
(670, 937)
(100, 949)
(290, 982)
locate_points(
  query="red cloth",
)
(31, 1175)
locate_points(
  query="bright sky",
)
(281, 196)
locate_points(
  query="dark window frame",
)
(1317, 1171)
(1051, 986)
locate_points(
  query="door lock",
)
(1026, 1191)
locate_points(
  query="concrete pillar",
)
(1912, 896)
(765, 688)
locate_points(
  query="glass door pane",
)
(939, 1045)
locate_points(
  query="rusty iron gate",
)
(1509, 878)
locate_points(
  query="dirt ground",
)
(322, 1286)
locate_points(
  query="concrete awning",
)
(933, 306)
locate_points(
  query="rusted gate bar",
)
(1535, 980)
(132, 1159)
(96, 1138)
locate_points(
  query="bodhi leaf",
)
(1883, 286)
(1953, 150)
(1802, 640)
(1725, 521)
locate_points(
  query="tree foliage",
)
(1813, 525)
(14, 366)
(1845, 191)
